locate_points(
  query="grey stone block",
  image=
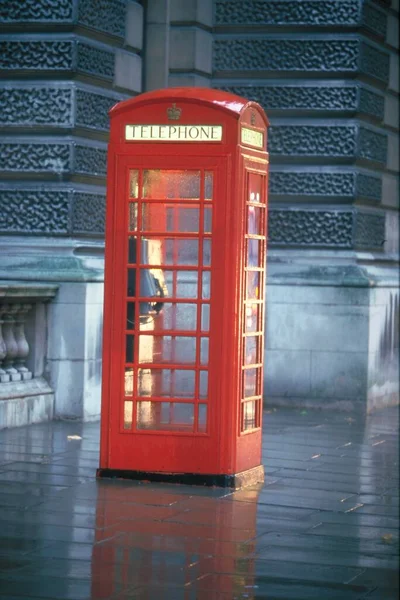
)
(193, 11)
(134, 25)
(128, 71)
(337, 375)
(318, 327)
(287, 373)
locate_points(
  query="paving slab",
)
(323, 526)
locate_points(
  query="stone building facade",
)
(325, 71)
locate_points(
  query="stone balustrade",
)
(25, 395)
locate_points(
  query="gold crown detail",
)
(174, 112)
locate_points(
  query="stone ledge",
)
(18, 290)
(24, 389)
(25, 403)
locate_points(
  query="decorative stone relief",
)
(313, 98)
(95, 61)
(287, 55)
(90, 160)
(374, 19)
(88, 213)
(286, 97)
(36, 106)
(369, 230)
(369, 187)
(36, 55)
(372, 146)
(103, 15)
(34, 211)
(36, 10)
(278, 12)
(332, 229)
(92, 109)
(303, 140)
(372, 104)
(374, 62)
(50, 158)
(311, 184)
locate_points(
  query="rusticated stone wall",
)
(325, 72)
(63, 64)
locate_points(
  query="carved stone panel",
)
(293, 183)
(88, 213)
(37, 10)
(313, 98)
(332, 229)
(369, 230)
(34, 211)
(308, 55)
(32, 105)
(35, 157)
(304, 140)
(103, 15)
(278, 12)
(372, 145)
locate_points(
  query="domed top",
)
(223, 100)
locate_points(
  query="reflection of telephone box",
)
(184, 288)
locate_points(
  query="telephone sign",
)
(184, 289)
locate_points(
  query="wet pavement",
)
(325, 525)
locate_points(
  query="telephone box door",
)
(163, 383)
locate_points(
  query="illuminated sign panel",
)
(173, 133)
(252, 138)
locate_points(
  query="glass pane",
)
(128, 384)
(181, 284)
(182, 218)
(254, 197)
(171, 184)
(202, 427)
(133, 216)
(253, 253)
(177, 317)
(206, 285)
(132, 246)
(254, 220)
(153, 217)
(164, 349)
(170, 416)
(251, 344)
(130, 315)
(204, 344)
(253, 285)
(206, 252)
(207, 219)
(172, 383)
(128, 410)
(203, 392)
(251, 317)
(131, 282)
(249, 415)
(180, 252)
(129, 348)
(205, 317)
(250, 382)
(208, 185)
(133, 183)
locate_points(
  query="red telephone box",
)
(184, 288)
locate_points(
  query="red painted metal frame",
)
(224, 449)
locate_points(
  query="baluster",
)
(23, 346)
(9, 338)
(4, 377)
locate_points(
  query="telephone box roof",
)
(225, 101)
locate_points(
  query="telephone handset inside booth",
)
(151, 284)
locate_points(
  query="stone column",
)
(4, 377)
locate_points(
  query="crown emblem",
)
(174, 112)
(253, 117)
